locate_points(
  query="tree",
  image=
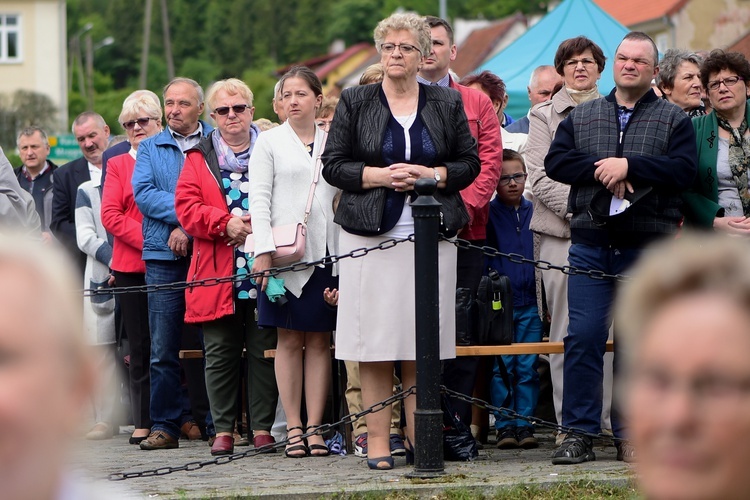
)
(353, 20)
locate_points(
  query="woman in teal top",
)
(720, 197)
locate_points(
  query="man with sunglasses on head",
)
(166, 248)
(460, 374)
(627, 158)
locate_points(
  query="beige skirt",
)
(376, 311)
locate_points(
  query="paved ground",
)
(274, 476)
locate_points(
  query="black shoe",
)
(625, 452)
(506, 438)
(574, 450)
(526, 439)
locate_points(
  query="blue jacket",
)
(508, 231)
(157, 169)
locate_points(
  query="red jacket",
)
(485, 127)
(121, 217)
(201, 207)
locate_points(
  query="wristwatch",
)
(437, 175)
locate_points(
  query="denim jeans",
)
(589, 310)
(166, 313)
(522, 371)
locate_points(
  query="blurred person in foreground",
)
(720, 197)
(17, 209)
(684, 327)
(46, 376)
(384, 138)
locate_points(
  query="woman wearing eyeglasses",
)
(141, 118)
(580, 62)
(720, 198)
(212, 204)
(385, 137)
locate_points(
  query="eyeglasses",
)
(730, 81)
(142, 122)
(237, 108)
(404, 48)
(573, 63)
(324, 124)
(517, 178)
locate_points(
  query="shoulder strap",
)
(316, 177)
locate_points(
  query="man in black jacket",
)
(627, 157)
(92, 134)
(35, 173)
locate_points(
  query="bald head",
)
(542, 84)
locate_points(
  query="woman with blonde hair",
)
(384, 138)
(141, 118)
(212, 204)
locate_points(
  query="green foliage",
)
(261, 82)
(353, 20)
(22, 109)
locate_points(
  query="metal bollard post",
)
(428, 418)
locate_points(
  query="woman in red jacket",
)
(212, 205)
(141, 118)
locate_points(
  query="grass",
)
(578, 490)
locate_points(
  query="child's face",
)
(511, 193)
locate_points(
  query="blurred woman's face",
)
(581, 72)
(400, 55)
(686, 92)
(688, 399)
(233, 114)
(140, 127)
(299, 100)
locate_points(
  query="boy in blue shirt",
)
(508, 231)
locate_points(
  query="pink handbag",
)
(289, 239)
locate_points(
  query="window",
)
(10, 38)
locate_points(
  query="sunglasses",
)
(142, 122)
(237, 108)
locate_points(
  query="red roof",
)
(633, 12)
(742, 45)
(480, 44)
(324, 64)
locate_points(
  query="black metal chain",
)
(506, 412)
(193, 466)
(275, 271)
(543, 265)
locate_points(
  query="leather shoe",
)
(190, 430)
(264, 440)
(223, 445)
(159, 440)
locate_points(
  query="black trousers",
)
(460, 374)
(134, 314)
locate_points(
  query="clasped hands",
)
(237, 230)
(403, 176)
(612, 173)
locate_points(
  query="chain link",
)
(539, 264)
(506, 412)
(193, 466)
(275, 271)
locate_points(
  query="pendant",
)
(309, 148)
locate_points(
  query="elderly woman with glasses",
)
(679, 80)
(720, 198)
(212, 205)
(141, 118)
(385, 137)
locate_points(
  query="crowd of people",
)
(588, 178)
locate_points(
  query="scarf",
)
(581, 96)
(739, 159)
(228, 159)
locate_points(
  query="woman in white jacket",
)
(98, 310)
(282, 168)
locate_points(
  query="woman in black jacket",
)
(383, 138)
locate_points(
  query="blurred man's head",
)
(684, 326)
(45, 378)
(542, 84)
